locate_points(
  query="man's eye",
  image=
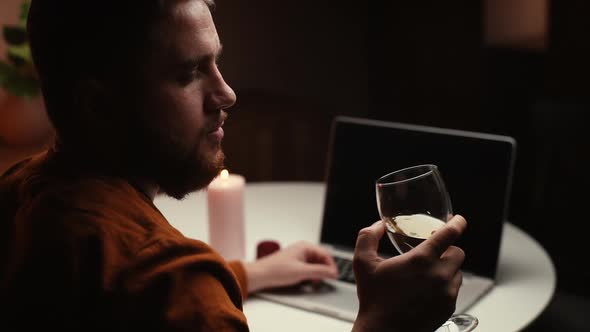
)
(190, 76)
(208, 68)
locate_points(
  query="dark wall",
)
(425, 62)
(296, 48)
(563, 145)
(294, 65)
(411, 62)
(568, 65)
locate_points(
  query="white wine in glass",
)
(408, 231)
(414, 203)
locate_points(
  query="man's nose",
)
(222, 96)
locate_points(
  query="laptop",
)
(477, 169)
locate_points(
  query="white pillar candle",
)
(225, 201)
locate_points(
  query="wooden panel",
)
(425, 61)
(271, 137)
(569, 49)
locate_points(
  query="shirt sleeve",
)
(183, 286)
(238, 269)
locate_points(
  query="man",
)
(138, 103)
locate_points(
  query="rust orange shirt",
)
(90, 253)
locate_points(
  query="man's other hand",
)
(416, 291)
(299, 262)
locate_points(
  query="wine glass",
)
(414, 203)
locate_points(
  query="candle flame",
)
(224, 174)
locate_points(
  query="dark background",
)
(519, 68)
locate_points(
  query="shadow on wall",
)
(272, 137)
(560, 192)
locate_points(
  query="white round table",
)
(291, 211)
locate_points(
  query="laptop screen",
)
(477, 170)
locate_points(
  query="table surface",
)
(291, 211)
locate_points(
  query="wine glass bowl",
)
(413, 202)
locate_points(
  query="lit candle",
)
(225, 200)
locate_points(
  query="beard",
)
(193, 173)
(177, 168)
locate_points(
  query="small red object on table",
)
(265, 248)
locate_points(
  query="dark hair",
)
(76, 40)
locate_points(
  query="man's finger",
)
(438, 243)
(453, 256)
(365, 251)
(320, 271)
(368, 238)
(317, 254)
(456, 284)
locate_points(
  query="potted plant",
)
(17, 75)
(24, 126)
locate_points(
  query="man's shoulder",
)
(38, 191)
(98, 199)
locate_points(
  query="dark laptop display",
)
(477, 169)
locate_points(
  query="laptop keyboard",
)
(346, 274)
(344, 269)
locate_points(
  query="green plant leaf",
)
(16, 60)
(22, 52)
(5, 70)
(15, 83)
(24, 12)
(16, 78)
(14, 35)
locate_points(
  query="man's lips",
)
(216, 127)
(218, 124)
(216, 135)
(216, 132)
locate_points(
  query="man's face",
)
(179, 101)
